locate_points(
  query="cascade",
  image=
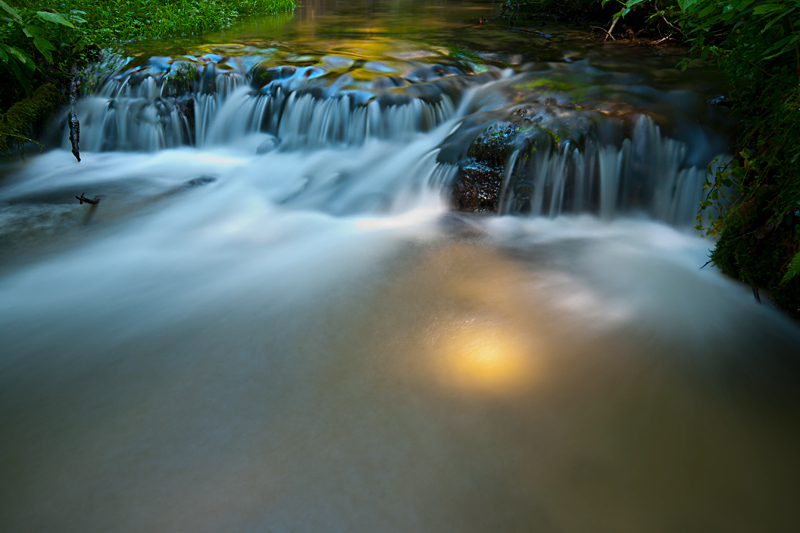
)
(633, 169)
(151, 110)
(648, 174)
(272, 320)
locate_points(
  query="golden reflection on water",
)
(488, 349)
(485, 357)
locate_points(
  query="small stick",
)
(662, 40)
(83, 198)
(612, 29)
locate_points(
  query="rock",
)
(202, 180)
(480, 180)
(495, 144)
(478, 188)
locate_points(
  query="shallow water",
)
(309, 339)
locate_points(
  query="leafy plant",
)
(36, 29)
(793, 269)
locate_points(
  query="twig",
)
(604, 31)
(612, 28)
(82, 198)
(662, 40)
(671, 25)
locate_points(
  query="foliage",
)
(755, 44)
(43, 36)
(43, 102)
(40, 40)
(573, 10)
(793, 269)
(30, 30)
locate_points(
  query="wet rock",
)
(198, 182)
(480, 180)
(495, 144)
(478, 188)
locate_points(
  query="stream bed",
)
(275, 320)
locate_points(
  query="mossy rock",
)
(495, 144)
(756, 250)
(37, 107)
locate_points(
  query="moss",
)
(495, 144)
(756, 250)
(37, 107)
(550, 85)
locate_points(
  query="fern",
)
(794, 268)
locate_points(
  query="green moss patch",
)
(15, 123)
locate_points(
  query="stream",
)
(275, 320)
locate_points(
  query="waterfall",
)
(271, 319)
(648, 173)
(136, 112)
(610, 166)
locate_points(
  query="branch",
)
(608, 33)
(93, 201)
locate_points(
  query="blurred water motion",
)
(261, 335)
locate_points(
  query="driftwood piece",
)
(74, 134)
(82, 198)
(74, 124)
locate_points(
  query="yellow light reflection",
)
(487, 357)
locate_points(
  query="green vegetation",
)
(40, 40)
(756, 44)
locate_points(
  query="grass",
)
(41, 41)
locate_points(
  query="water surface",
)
(275, 324)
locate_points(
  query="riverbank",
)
(43, 40)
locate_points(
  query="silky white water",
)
(309, 339)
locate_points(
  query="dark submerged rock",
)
(478, 188)
(495, 144)
(479, 183)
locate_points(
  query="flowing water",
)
(273, 320)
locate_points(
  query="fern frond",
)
(794, 269)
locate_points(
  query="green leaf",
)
(44, 46)
(55, 18)
(767, 8)
(776, 19)
(744, 4)
(21, 57)
(707, 11)
(18, 71)
(10, 10)
(781, 46)
(793, 270)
